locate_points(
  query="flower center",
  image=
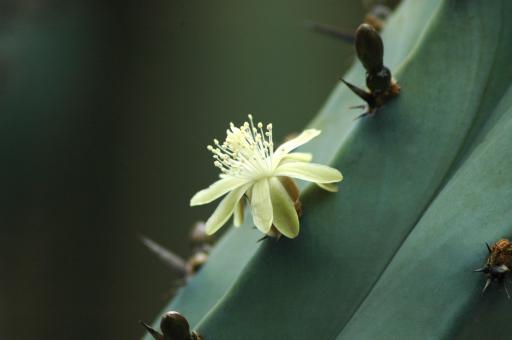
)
(246, 152)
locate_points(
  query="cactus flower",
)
(252, 169)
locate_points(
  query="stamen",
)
(246, 152)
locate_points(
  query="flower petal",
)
(216, 190)
(328, 186)
(301, 139)
(224, 210)
(285, 216)
(309, 172)
(297, 157)
(238, 217)
(261, 206)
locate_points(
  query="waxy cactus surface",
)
(428, 180)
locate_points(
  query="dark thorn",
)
(366, 96)
(487, 283)
(330, 31)
(154, 333)
(367, 113)
(506, 290)
(263, 238)
(483, 269)
(362, 115)
(362, 106)
(172, 260)
(488, 247)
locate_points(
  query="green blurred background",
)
(105, 113)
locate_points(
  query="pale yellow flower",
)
(252, 170)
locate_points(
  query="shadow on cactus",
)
(427, 181)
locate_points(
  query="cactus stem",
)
(367, 113)
(366, 96)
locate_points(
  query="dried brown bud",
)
(175, 326)
(379, 81)
(196, 262)
(369, 48)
